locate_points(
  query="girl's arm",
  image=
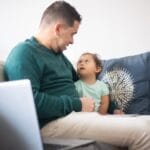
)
(104, 105)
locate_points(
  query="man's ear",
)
(57, 29)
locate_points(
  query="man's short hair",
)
(60, 10)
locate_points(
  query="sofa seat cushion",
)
(128, 79)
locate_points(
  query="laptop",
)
(19, 128)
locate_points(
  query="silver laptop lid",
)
(19, 127)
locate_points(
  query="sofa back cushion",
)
(128, 79)
(1, 71)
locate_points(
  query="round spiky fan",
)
(121, 86)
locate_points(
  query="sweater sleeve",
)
(22, 65)
(74, 73)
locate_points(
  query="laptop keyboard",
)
(54, 146)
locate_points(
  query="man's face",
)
(65, 36)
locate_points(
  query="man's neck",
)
(45, 38)
(42, 41)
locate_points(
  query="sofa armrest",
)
(2, 78)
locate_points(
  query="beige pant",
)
(133, 132)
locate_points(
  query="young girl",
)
(88, 68)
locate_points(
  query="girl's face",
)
(86, 66)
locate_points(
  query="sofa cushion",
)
(128, 79)
(1, 71)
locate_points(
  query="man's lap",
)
(111, 129)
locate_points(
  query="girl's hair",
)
(96, 59)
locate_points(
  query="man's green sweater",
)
(52, 77)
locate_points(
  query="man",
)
(60, 110)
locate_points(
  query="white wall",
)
(111, 28)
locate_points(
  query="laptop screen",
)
(19, 127)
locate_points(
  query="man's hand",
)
(87, 104)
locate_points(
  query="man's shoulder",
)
(24, 44)
(22, 52)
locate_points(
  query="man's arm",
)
(22, 65)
